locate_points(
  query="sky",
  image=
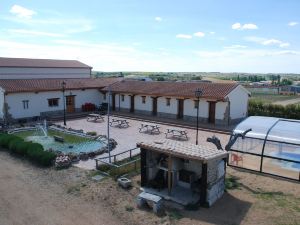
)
(252, 36)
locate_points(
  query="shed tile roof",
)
(37, 85)
(41, 63)
(216, 91)
(184, 150)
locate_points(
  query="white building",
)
(20, 68)
(33, 87)
(220, 103)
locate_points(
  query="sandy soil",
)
(31, 195)
(288, 102)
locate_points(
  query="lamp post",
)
(63, 85)
(108, 112)
(198, 94)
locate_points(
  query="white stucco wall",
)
(190, 110)
(1, 103)
(139, 104)
(35, 73)
(238, 102)
(38, 102)
(122, 104)
(220, 110)
(162, 105)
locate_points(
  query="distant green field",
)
(270, 98)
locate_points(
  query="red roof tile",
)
(41, 63)
(39, 85)
(216, 91)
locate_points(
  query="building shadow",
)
(227, 210)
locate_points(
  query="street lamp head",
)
(198, 93)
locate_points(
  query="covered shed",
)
(182, 172)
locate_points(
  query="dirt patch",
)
(31, 195)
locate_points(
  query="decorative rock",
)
(124, 182)
(62, 161)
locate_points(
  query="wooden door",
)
(70, 103)
(132, 103)
(180, 109)
(154, 106)
(212, 112)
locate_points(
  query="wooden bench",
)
(120, 123)
(145, 198)
(176, 133)
(94, 117)
(149, 128)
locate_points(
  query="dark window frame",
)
(25, 104)
(53, 102)
(168, 101)
(144, 99)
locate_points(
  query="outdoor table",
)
(176, 133)
(120, 123)
(94, 117)
(149, 128)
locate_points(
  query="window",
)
(25, 104)
(168, 101)
(143, 99)
(196, 103)
(104, 96)
(53, 102)
(122, 98)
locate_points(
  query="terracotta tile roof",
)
(39, 85)
(184, 150)
(215, 91)
(41, 63)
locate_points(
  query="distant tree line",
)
(259, 108)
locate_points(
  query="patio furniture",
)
(149, 128)
(95, 117)
(176, 133)
(120, 123)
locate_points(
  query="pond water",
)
(72, 143)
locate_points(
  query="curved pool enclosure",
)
(272, 146)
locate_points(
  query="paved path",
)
(128, 137)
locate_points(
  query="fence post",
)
(130, 153)
(114, 158)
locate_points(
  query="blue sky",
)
(166, 35)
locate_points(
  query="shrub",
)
(47, 158)
(36, 153)
(6, 139)
(92, 133)
(12, 146)
(21, 148)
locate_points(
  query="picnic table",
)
(149, 128)
(94, 117)
(176, 133)
(120, 123)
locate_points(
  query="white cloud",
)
(158, 19)
(247, 26)
(293, 23)
(199, 34)
(184, 36)
(34, 33)
(234, 47)
(212, 32)
(268, 42)
(22, 12)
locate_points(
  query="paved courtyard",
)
(128, 137)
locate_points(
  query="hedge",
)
(259, 108)
(33, 151)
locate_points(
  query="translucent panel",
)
(259, 125)
(281, 168)
(282, 150)
(244, 160)
(248, 145)
(286, 131)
